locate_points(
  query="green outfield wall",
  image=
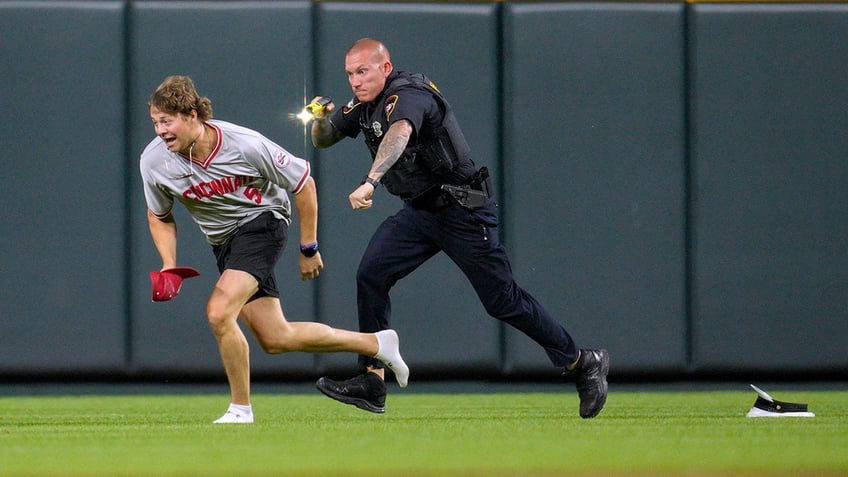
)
(672, 180)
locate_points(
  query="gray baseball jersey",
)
(246, 175)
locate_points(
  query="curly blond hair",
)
(177, 94)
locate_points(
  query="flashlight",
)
(314, 109)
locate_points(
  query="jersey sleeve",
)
(159, 201)
(280, 166)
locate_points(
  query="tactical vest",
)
(441, 156)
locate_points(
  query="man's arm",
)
(324, 134)
(391, 148)
(306, 204)
(164, 234)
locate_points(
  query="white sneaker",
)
(233, 416)
(389, 354)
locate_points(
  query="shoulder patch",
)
(389, 107)
(350, 106)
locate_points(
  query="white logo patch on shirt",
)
(282, 160)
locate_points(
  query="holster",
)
(475, 193)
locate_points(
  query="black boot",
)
(591, 377)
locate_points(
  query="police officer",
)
(420, 155)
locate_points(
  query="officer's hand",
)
(310, 267)
(325, 111)
(360, 199)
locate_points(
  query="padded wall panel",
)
(438, 316)
(770, 186)
(594, 188)
(252, 59)
(61, 245)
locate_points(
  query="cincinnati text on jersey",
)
(223, 186)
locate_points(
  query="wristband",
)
(371, 181)
(309, 250)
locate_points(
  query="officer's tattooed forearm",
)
(391, 148)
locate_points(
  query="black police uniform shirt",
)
(410, 102)
(418, 107)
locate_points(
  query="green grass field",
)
(506, 434)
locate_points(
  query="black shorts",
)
(255, 248)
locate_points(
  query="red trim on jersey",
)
(220, 141)
(162, 216)
(302, 179)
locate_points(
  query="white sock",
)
(242, 409)
(236, 414)
(388, 351)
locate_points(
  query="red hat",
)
(167, 283)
